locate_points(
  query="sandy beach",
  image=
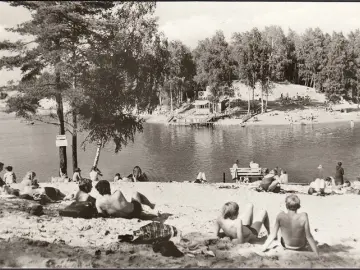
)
(54, 241)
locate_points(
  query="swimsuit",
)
(253, 230)
(289, 247)
(137, 209)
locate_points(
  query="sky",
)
(190, 22)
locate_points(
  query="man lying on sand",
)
(294, 227)
(243, 228)
(30, 189)
(318, 186)
(270, 182)
(116, 204)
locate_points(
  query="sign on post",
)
(61, 140)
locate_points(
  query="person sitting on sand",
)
(201, 178)
(243, 228)
(116, 204)
(77, 175)
(9, 176)
(294, 228)
(284, 178)
(270, 182)
(95, 173)
(85, 187)
(138, 175)
(117, 177)
(30, 189)
(317, 187)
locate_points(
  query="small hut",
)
(202, 106)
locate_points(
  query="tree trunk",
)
(171, 99)
(97, 155)
(60, 114)
(74, 141)
(262, 100)
(248, 101)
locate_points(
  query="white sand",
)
(193, 208)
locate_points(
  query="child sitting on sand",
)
(85, 187)
(117, 177)
(241, 229)
(138, 175)
(77, 175)
(9, 176)
(116, 204)
(294, 227)
(95, 173)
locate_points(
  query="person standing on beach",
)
(294, 227)
(234, 167)
(77, 175)
(339, 174)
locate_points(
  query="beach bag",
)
(79, 210)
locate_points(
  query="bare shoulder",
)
(304, 216)
(281, 215)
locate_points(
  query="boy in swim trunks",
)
(243, 228)
(294, 227)
(116, 204)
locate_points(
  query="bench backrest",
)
(247, 171)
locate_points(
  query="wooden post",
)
(223, 177)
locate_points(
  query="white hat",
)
(320, 166)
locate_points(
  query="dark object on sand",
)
(126, 238)
(167, 249)
(26, 197)
(36, 210)
(79, 210)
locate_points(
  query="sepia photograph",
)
(138, 134)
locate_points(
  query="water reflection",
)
(179, 153)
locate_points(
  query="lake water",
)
(179, 153)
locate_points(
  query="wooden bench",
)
(246, 172)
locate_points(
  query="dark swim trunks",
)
(137, 209)
(253, 230)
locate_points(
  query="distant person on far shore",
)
(320, 172)
(9, 176)
(294, 228)
(95, 173)
(117, 177)
(77, 175)
(339, 174)
(284, 178)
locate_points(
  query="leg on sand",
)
(247, 215)
(142, 200)
(261, 218)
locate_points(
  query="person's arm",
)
(309, 236)
(98, 206)
(272, 235)
(239, 233)
(217, 228)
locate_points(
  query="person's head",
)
(137, 171)
(275, 171)
(9, 168)
(93, 168)
(328, 181)
(237, 162)
(230, 210)
(292, 202)
(320, 167)
(77, 170)
(339, 164)
(283, 172)
(266, 170)
(117, 176)
(1, 166)
(85, 185)
(103, 187)
(347, 183)
(30, 175)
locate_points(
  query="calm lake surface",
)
(178, 153)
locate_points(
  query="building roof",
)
(201, 102)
